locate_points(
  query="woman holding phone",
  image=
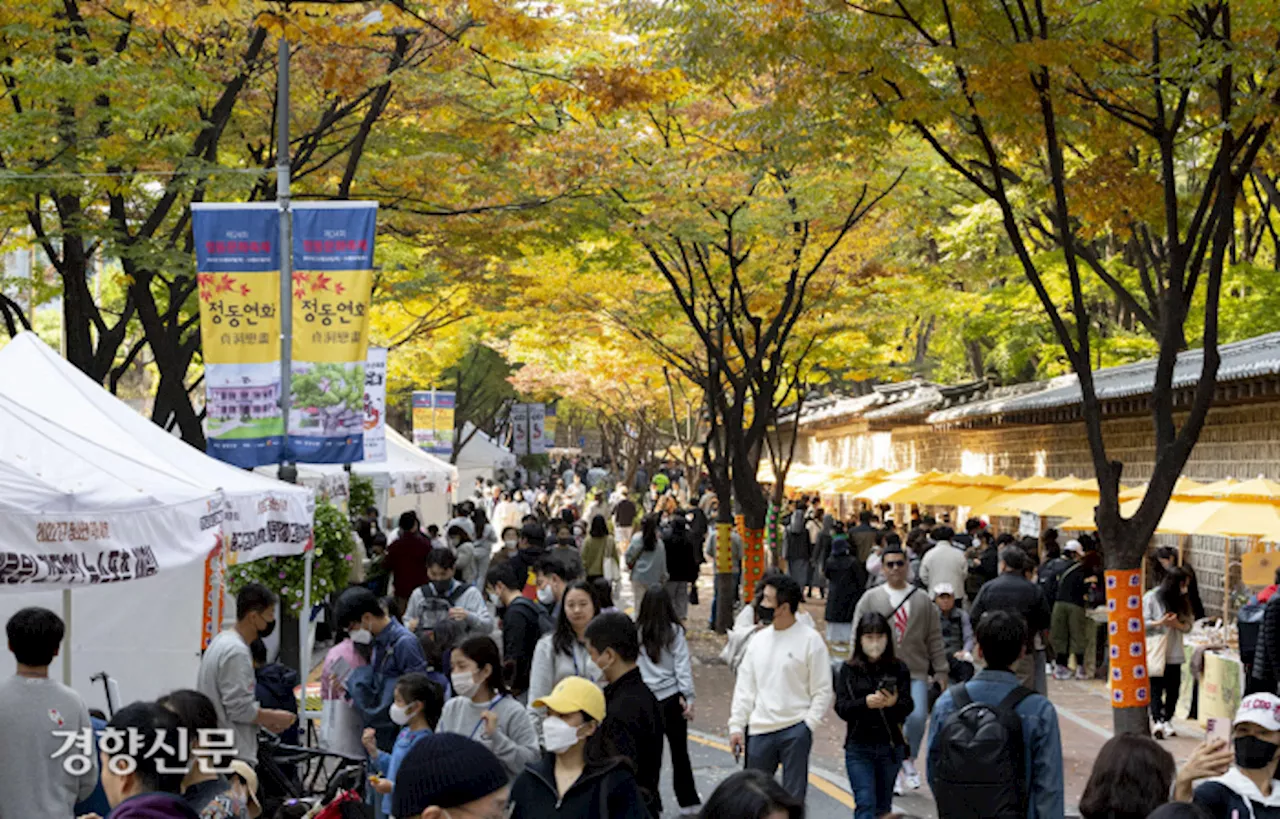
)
(873, 695)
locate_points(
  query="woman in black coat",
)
(846, 580)
(873, 695)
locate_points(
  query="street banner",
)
(537, 429)
(238, 277)
(549, 426)
(433, 421)
(375, 405)
(519, 417)
(332, 281)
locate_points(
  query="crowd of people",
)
(480, 668)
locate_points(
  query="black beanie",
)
(445, 770)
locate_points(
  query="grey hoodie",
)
(515, 742)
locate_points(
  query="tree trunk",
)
(1122, 550)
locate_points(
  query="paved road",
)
(712, 763)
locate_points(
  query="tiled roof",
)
(1250, 358)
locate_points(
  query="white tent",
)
(480, 458)
(147, 634)
(409, 479)
(76, 515)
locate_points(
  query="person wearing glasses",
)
(917, 636)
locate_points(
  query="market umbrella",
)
(1227, 518)
(858, 481)
(1258, 489)
(896, 482)
(919, 490)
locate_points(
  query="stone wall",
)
(1237, 441)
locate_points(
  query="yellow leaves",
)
(1110, 194)
(507, 24)
(611, 88)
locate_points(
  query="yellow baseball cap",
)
(575, 694)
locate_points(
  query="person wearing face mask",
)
(482, 708)
(416, 709)
(394, 652)
(1249, 788)
(523, 624)
(917, 638)
(464, 551)
(226, 672)
(646, 557)
(446, 776)
(873, 695)
(444, 597)
(486, 540)
(782, 691)
(563, 652)
(553, 575)
(576, 778)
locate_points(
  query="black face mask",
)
(1254, 753)
(764, 615)
(441, 586)
(266, 632)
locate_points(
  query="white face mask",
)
(546, 595)
(559, 735)
(509, 542)
(361, 636)
(464, 684)
(874, 647)
(399, 714)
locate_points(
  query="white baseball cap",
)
(944, 588)
(1260, 709)
(1073, 546)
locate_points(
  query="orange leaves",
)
(612, 88)
(1111, 193)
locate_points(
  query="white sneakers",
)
(900, 784)
(1162, 730)
(913, 776)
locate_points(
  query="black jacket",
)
(1013, 592)
(602, 792)
(846, 580)
(983, 567)
(873, 726)
(682, 557)
(1048, 575)
(1076, 579)
(273, 688)
(521, 629)
(1265, 675)
(632, 729)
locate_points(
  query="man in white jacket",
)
(782, 691)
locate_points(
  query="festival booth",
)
(147, 634)
(409, 479)
(482, 457)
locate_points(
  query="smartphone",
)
(1218, 728)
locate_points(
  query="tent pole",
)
(304, 626)
(66, 637)
(288, 470)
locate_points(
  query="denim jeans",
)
(872, 770)
(919, 717)
(788, 747)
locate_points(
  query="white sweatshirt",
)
(784, 679)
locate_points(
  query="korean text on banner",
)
(520, 429)
(537, 429)
(375, 405)
(332, 280)
(433, 420)
(549, 426)
(238, 274)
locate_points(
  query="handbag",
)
(612, 572)
(1157, 649)
(372, 692)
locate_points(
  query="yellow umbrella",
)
(970, 496)
(878, 492)
(1008, 501)
(1184, 486)
(858, 480)
(1060, 504)
(1225, 518)
(1171, 523)
(1259, 489)
(918, 490)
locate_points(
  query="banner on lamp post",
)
(519, 417)
(332, 280)
(433, 419)
(375, 405)
(238, 282)
(549, 426)
(537, 429)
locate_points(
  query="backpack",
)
(435, 607)
(545, 623)
(1051, 575)
(978, 760)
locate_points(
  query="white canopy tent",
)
(482, 457)
(76, 515)
(148, 634)
(409, 479)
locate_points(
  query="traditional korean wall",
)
(1238, 442)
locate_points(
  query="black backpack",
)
(978, 762)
